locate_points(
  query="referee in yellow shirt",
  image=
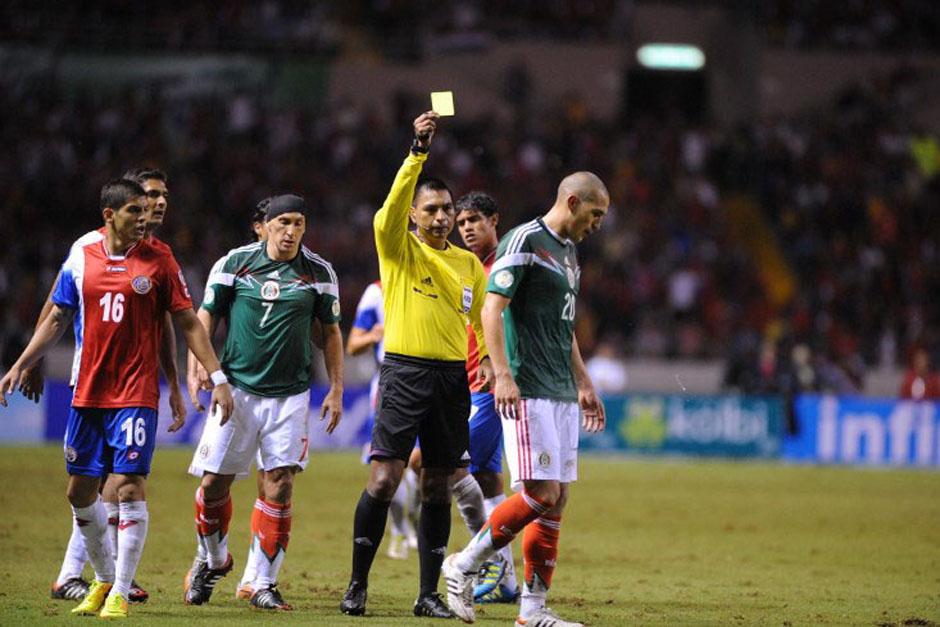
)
(430, 288)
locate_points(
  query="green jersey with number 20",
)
(270, 306)
(539, 271)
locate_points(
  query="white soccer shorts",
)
(272, 431)
(543, 442)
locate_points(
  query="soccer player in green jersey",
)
(430, 290)
(271, 293)
(541, 388)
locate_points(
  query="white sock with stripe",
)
(132, 534)
(93, 523)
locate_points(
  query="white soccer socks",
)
(93, 523)
(132, 534)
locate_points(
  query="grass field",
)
(643, 542)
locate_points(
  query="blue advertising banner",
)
(850, 430)
(723, 426)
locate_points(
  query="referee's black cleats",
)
(432, 606)
(354, 601)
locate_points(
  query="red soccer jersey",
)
(119, 303)
(473, 353)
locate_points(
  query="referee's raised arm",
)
(391, 221)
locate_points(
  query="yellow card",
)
(442, 102)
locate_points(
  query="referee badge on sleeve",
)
(467, 299)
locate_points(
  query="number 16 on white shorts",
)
(542, 444)
(272, 429)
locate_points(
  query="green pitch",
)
(644, 542)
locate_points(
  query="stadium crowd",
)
(848, 194)
(410, 29)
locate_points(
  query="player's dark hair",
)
(257, 215)
(432, 184)
(145, 174)
(117, 193)
(481, 202)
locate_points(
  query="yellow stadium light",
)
(671, 57)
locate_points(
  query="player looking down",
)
(541, 388)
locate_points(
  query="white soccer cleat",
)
(545, 618)
(459, 590)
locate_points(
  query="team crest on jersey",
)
(545, 459)
(70, 454)
(336, 308)
(270, 290)
(503, 279)
(142, 284)
(209, 296)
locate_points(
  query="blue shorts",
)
(486, 434)
(100, 441)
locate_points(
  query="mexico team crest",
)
(142, 284)
(270, 290)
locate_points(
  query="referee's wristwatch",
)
(418, 149)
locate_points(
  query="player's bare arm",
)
(198, 341)
(197, 377)
(167, 358)
(592, 407)
(333, 357)
(316, 334)
(32, 382)
(45, 337)
(360, 340)
(505, 390)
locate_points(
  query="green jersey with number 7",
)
(267, 349)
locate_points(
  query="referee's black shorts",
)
(427, 399)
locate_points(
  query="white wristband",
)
(218, 377)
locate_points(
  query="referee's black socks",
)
(368, 529)
(433, 534)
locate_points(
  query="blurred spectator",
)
(849, 194)
(606, 367)
(921, 382)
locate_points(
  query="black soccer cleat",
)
(203, 582)
(137, 595)
(269, 599)
(73, 589)
(432, 606)
(354, 600)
